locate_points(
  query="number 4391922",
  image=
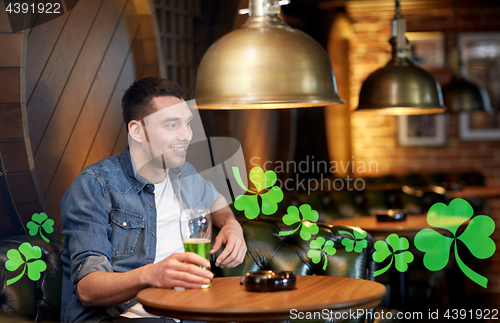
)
(33, 8)
(462, 314)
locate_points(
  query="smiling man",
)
(120, 216)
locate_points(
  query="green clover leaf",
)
(306, 222)
(476, 237)
(35, 267)
(262, 181)
(39, 221)
(248, 203)
(15, 260)
(270, 200)
(436, 247)
(323, 249)
(399, 253)
(356, 241)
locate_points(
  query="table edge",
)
(266, 314)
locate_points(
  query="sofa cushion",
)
(38, 300)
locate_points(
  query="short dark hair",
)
(136, 102)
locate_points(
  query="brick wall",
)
(374, 136)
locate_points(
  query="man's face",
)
(168, 132)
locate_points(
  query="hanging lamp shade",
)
(462, 96)
(265, 64)
(400, 87)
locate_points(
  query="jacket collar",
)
(138, 182)
(128, 168)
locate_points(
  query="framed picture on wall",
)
(478, 126)
(426, 130)
(427, 49)
(480, 53)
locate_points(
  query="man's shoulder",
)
(110, 164)
(109, 171)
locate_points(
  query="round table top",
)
(227, 300)
(411, 226)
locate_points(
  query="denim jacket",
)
(109, 221)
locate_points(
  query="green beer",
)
(200, 247)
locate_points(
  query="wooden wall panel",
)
(122, 140)
(11, 121)
(24, 193)
(59, 66)
(16, 157)
(22, 187)
(72, 100)
(75, 70)
(11, 49)
(91, 117)
(42, 39)
(5, 24)
(10, 79)
(104, 141)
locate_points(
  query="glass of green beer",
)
(196, 232)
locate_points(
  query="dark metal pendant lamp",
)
(400, 87)
(461, 95)
(265, 64)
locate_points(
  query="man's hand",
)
(180, 270)
(231, 235)
(101, 288)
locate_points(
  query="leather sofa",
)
(39, 300)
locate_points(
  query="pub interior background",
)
(61, 85)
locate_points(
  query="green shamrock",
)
(39, 221)
(306, 225)
(324, 249)
(475, 236)
(16, 260)
(262, 181)
(356, 241)
(402, 258)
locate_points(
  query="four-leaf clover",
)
(356, 241)
(262, 181)
(475, 236)
(306, 225)
(398, 254)
(31, 254)
(39, 221)
(319, 248)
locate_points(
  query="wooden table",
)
(410, 227)
(226, 300)
(407, 228)
(476, 191)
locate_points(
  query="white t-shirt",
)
(168, 233)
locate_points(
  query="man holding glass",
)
(120, 216)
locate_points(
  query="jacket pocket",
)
(126, 229)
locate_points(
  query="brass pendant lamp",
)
(265, 64)
(463, 96)
(400, 87)
(460, 95)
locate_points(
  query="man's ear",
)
(136, 131)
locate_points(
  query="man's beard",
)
(163, 162)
